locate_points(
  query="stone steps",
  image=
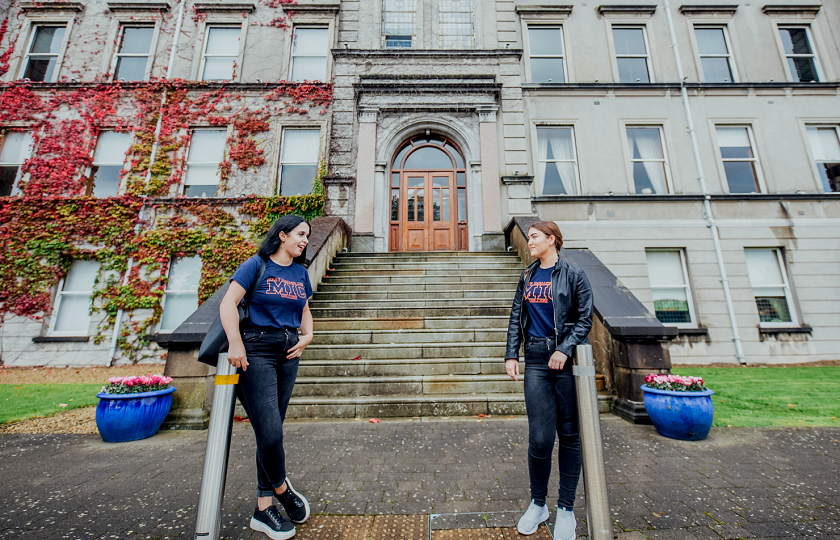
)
(434, 286)
(426, 335)
(406, 323)
(410, 293)
(384, 311)
(383, 385)
(491, 349)
(397, 367)
(416, 270)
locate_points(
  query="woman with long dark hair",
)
(266, 352)
(551, 314)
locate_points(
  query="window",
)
(546, 55)
(739, 162)
(631, 54)
(108, 160)
(207, 150)
(72, 303)
(42, 58)
(398, 23)
(456, 28)
(134, 46)
(298, 160)
(309, 54)
(669, 287)
(647, 159)
(802, 62)
(557, 161)
(715, 58)
(16, 148)
(766, 268)
(221, 49)
(180, 298)
(825, 148)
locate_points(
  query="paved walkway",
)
(740, 483)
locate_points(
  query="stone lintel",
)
(51, 6)
(710, 9)
(138, 6)
(618, 9)
(792, 9)
(217, 7)
(547, 10)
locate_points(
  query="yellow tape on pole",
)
(222, 380)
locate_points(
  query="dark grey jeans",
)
(264, 390)
(551, 402)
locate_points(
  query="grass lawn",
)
(21, 401)
(762, 397)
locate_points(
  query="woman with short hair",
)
(551, 315)
(266, 352)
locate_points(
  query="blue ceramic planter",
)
(686, 416)
(130, 417)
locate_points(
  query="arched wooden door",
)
(428, 196)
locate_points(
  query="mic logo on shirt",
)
(286, 289)
(538, 292)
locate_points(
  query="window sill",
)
(61, 339)
(700, 331)
(785, 330)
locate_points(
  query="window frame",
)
(384, 36)
(440, 23)
(730, 56)
(90, 184)
(762, 186)
(31, 29)
(780, 260)
(115, 55)
(59, 294)
(648, 53)
(192, 130)
(666, 161)
(167, 290)
(815, 165)
(327, 56)
(811, 41)
(279, 168)
(688, 290)
(18, 175)
(208, 25)
(527, 46)
(540, 182)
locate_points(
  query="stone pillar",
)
(192, 401)
(493, 238)
(381, 194)
(363, 238)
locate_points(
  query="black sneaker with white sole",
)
(270, 522)
(295, 504)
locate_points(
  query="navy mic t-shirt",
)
(281, 295)
(540, 305)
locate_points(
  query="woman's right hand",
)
(512, 368)
(236, 355)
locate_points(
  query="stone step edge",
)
(385, 361)
(431, 318)
(411, 345)
(386, 379)
(419, 398)
(410, 331)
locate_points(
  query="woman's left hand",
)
(557, 360)
(302, 343)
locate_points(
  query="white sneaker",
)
(564, 527)
(530, 521)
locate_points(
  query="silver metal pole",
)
(594, 477)
(208, 520)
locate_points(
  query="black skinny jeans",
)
(264, 390)
(551, 402)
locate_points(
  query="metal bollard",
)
(594, 477)
(208, 520)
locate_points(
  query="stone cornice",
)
(709, 9)
(138, 6)
(51, 6)
(215, 7)
(433, 53)
(619, 9)
(315, 7)
(554, 10)
(791, 9)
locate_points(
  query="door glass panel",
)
(395, 179)
(420, 216)
(428, 157)
(399, 157)
(410, 200)
(436, 205)
(462, 204)
(444, 205)
(440, 181)
(415, 181)
(395, 204)
(459, 161)
(462, 179)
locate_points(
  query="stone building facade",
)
(577, 113)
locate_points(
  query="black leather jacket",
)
(572, 297)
